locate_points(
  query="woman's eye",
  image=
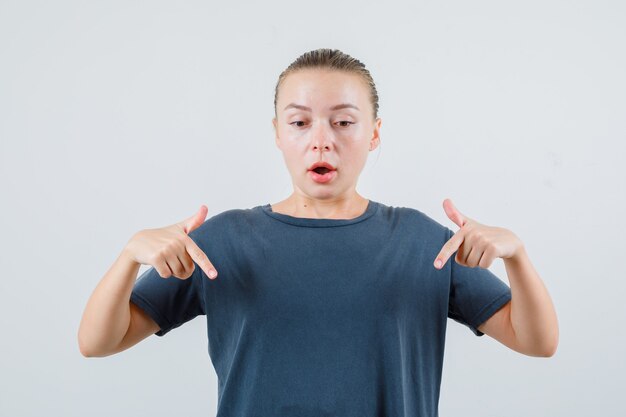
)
(297, 123)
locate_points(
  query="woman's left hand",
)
(476, 244)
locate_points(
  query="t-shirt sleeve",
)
(475, 294)
(171, 301)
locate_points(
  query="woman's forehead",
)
(322, 90)
(321, 79)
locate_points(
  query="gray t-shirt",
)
(325, 317)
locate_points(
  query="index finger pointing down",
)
(448, 249)
(200, 258)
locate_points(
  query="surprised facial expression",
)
(325, 115)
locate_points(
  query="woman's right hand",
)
(170, 250)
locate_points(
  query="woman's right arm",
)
(107, 316)
(111, 322)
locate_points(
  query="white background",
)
(116, 116)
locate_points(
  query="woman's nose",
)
(316, 147)
(321, 137)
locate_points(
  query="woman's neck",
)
(306, 207)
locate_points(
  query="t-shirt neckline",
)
(372, 206)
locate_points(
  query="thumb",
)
(196, 220)
(453, 214)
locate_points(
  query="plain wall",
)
(119, 116)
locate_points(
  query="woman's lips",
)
(322, 178)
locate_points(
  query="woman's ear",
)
(276, 138)
(375, 141)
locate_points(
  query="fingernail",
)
(212, 273)
(438, 263)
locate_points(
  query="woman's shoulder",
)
(235, 215)
(414, 216)
(227, 217)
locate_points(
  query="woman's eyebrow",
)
(336, 107)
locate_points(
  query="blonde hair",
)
(332, 59)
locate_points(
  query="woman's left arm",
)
(533, 317)
(529, 322)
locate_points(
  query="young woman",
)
(324, 303)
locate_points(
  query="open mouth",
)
(321, 170)
(322, 175)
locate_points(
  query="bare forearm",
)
(533, 316)
(106, 317)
